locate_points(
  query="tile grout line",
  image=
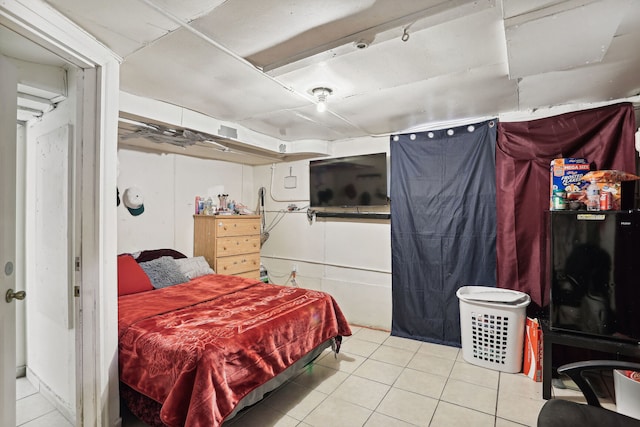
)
(443, 387)
(38, 417)
(391, 386)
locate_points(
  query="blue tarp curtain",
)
(443, 226)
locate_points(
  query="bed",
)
(193, 353)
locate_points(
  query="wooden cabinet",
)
(230, 243)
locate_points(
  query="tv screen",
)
(348, 181)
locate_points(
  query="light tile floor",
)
(379, 380)
(33, 410)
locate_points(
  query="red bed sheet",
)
(199, 347)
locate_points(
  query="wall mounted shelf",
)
(358, 215)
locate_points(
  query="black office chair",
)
(588, 377)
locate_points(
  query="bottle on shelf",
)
(208, 207)
(593, 196)
(559, 202)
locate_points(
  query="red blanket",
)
(199, 347)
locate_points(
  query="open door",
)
(8, 105)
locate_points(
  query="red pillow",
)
(131, 277)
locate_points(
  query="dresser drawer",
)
(253, 274)
(237, 226)
(226, 246)
(238, 263)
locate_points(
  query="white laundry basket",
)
(492, 326)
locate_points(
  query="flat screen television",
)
(352, 181)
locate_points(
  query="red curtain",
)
(604, 136)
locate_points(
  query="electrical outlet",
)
(294, 268)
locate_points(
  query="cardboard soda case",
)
(532, 359)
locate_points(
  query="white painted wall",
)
(169, 184)
(350, 259)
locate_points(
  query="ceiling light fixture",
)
(321, 93)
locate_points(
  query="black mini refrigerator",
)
(595, 273)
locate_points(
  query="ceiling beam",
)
(419, 20)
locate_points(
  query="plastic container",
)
(627, 387)
(492, 324)
(593, 196)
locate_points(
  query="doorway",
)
(94, 265)
(45, 231)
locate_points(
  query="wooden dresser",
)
(230, 243)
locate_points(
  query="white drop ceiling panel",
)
(562, 37)
(187, 10)
(442, 98)
(124, 26)
(512, 8)
(215, 83)
(462, 59)
(302, 123)
(285, 33)
(427, 54)
(560, 88)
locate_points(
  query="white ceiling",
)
(34, 100)
(254, 62)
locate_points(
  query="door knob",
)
(14, 295)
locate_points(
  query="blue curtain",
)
(443, 226)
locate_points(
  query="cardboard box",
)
(532, 359)
(566, 175)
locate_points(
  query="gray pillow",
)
(163, 272)
(194, 267)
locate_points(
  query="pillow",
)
(163, 272)
(150, 255)
(194, 267)
(131, 277)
